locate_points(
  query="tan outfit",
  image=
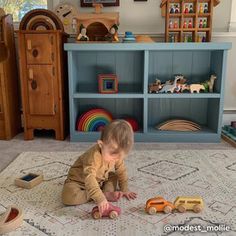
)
(89, 174)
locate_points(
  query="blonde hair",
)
(119, 132)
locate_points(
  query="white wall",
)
(145, 17)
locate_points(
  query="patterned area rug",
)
(210, 174)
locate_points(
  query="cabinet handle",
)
(29, 44)
(31, 74)
(35, 53)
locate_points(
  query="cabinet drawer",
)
(41, 89)
(40, 48)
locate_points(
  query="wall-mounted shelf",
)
(137, 65)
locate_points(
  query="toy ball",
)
(133, 122)
(93, 120)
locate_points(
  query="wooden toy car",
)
(183, 203)
(158, 204)
(113, 212)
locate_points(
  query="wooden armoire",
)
(10, 123)
(43, 73)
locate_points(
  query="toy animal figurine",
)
(170, 87)
(112, 212)
(196, 88)
(158, 204)
(183, 203)
(211, 83)
(155, 87)
(184, 87)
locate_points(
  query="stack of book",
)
(129, 37)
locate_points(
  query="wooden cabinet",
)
(9, 95)
(43, 80)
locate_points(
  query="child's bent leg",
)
(111, 184)
(72, 194)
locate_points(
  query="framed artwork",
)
(109, 3)
(107, 83)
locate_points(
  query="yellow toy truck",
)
(184, 203)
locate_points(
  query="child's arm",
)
(122, 175)
(91, 165)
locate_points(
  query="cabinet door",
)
(39, 48)
(41, 90)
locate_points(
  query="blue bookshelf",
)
(137, 65)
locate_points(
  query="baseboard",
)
(228, 116)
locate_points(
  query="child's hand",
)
(103, 206)
(130, 195)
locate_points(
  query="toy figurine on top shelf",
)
(177, 8)
(191, 8)
(185, 24)
(201, 9)
(112, 35)
(205, 8)
(172, 9)
(176, 26)
(190, 25)
(186, 10)
(204, 23)
(200, 24)
(82, 36)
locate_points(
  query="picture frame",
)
(107, 83)
(105, 3)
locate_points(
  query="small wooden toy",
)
(176, 24)
(172, 9)
(200, 23)
(196, 88)
(171, 24)
(154, 87)
(190, 25)
(211, 83)
(113, 212)
(185, 24)
(107, 83)
(178, 125)
(170, 87)
(184, 203)
(176, 8)
(201, 9)
(186, 10)
(191, 8)
(158, 204)
(29, 181)
(204, 25)
(11, 219)
(205, 8)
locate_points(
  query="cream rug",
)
(210, 174)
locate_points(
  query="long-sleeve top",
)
(90, 171)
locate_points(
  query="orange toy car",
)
(158, 204)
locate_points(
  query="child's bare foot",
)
(113, 196)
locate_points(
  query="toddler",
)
(96, 173)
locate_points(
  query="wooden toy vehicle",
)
(158, 204)
(183, 203)
(113, 212)
(11, 219)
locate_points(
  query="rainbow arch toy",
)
(94, 120)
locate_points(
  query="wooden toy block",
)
(113, 212)
(29, 181)
(11, 219)
(108, 83)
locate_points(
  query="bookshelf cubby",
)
(137, 65)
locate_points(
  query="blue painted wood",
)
(137, 65)
(146, 46)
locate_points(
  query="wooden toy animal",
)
(170, 87)
(155, 87)
(196, 88)
(211, 83)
